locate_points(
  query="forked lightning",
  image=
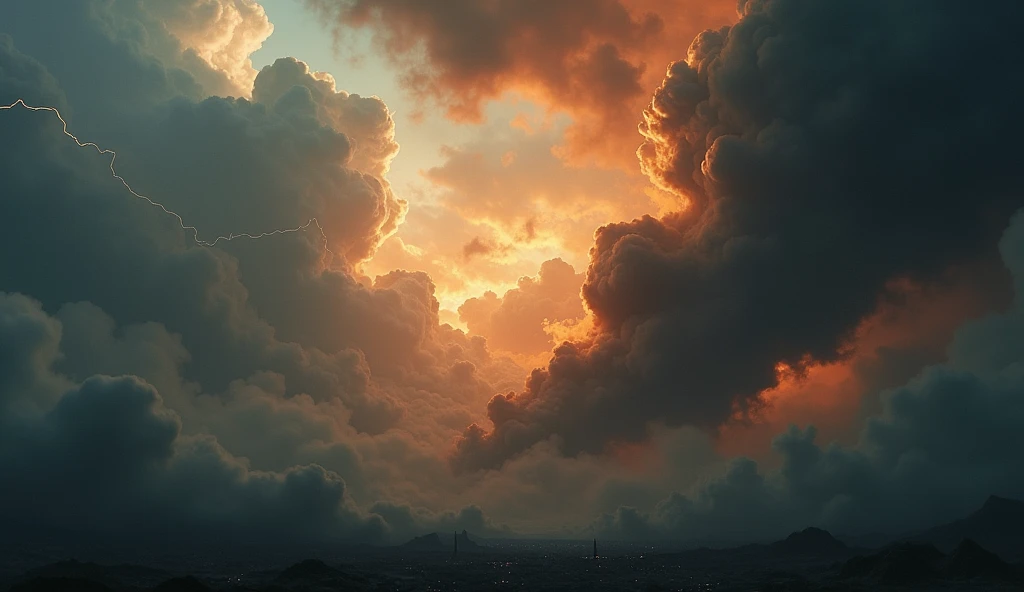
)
(313, 222)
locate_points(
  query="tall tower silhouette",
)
(455, 551)
(595, 548)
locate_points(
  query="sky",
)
(361, 270)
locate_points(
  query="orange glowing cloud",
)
(597, 62)
(501, 205)
(517, 321)
(907, 332)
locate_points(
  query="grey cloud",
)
(421, 521)
(27, 79)
(818, 169)
(112, 444)
(944, 442)
(366, 121)
(473, 52)
(256, 404)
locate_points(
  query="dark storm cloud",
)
(470, 518)
(593, 59)
(105, 60)
(283, 168)
(365, 121)
(476, 50)
(109, 460)
(826, 149)
(271, 347)
(149, 271)
(944, 442)
(26, 79)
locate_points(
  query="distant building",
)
(595, 548)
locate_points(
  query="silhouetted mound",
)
(186, 584)
(811, 541)
(60, 585)
(970, 561)
(310, 569)
(427, 542)
(313, 573)
(901, 564)
(468, 545)
(74, 570)
(434, 542)
(112, 576)
(997, 526)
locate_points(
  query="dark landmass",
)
(917, 564)
(808, 560)
(426, 543)
(997, 526)
(60, 585)
(185, 584)
(812, 542)
(435, 543)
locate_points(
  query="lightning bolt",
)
(313, 222)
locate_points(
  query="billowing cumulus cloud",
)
(222, 33)
(505, 204)
(818, 170)
(285, 168)
(274, 390)
(365, 121)
(259, 379)
(115, 58)
(943, 443)
(113, 443)
(474, 50)
(511, 179)
(515, 322)
(911, 329)
(597, 60)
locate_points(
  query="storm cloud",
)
(818, 168)
(944, 442)
(594, 59)
(836, 163)
(253, 381)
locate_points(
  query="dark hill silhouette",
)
(969, 560)
(805, 548)
(112, 576)
(427, 542)
(900, 564)
(58, 584)
(435, 543)
(812, 542)
(468, 545)
(186, 584)
(72, 569)
(313, 574)
(997, 526)
(308, 569)
(915, 564)
(874, 540)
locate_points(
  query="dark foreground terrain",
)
(902, 566)
(987, 555)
